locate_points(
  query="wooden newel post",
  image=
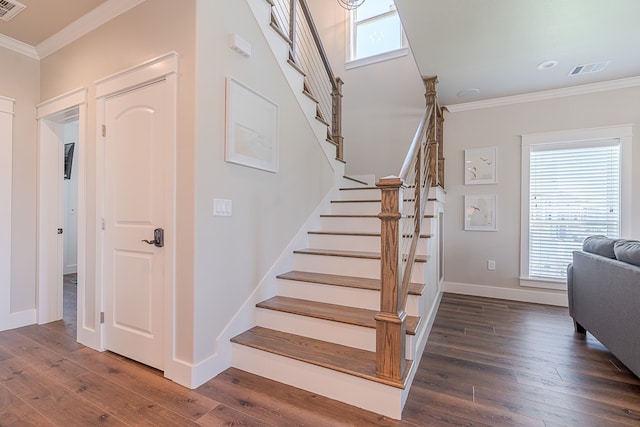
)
(390, 321)
(336, 125)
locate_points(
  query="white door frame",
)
(163, 67)
(49, 295)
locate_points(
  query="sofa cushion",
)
(628, 251)
(599, 245)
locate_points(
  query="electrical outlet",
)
(491, 264)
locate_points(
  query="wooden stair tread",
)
(372, 201)
(340, 358)
(355, 180)
(359, 188)
(345, 281)
(349, 233)
(333, 312)
(364, 216)
(347, 216)
(348, 254)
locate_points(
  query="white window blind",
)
(574, 193)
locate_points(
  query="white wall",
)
(383, 102)
(233, 254)
(466, 252)
(21, 82)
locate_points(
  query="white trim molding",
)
(72, 32)
(557, 298)
(18, 47)
(546, 94)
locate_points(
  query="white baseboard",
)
(525, 295)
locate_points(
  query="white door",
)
(136, 201)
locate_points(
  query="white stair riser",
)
(341, 295)
(351, 225)
(352, 390)
(370, 208)
(364, 194)
(325, 330)
(359, 225)
(358, 267)
(355, 243)
(355, 208)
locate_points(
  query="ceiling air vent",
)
(9, 9)
(589, 68)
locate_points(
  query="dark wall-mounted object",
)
(68, 159)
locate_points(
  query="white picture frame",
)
(480, 166)
(480, 212)
(252, 128)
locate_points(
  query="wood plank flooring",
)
(488, 363)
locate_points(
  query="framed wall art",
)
(252, 128)
(480, 212)
(480, 166)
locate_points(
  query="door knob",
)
(158, 238)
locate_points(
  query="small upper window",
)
(375, 29)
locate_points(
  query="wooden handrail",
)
(420, 170)
(415, 144)
(316, 38)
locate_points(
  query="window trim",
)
(623, 133)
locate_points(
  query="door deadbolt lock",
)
(158, 238)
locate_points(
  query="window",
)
(572, 189)
(376, 32)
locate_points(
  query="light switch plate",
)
(222, 207)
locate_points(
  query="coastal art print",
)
(480, 166)
(480, 212)
(252, 128)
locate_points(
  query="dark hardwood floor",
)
(487, 363)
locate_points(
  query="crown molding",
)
(78, 28)
(547, 94)
(84, 25)
(18, 46)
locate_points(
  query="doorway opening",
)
(60, 239)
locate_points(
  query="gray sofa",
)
(604, 295)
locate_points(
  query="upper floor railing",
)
(403, 205)
(293, 20)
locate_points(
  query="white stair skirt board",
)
(348, 242)
(341, 295)
(358, 267)
(365, 394)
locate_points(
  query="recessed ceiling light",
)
(468, 93)
(546, 65)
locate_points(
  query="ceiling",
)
(493, 46)
(43, 18)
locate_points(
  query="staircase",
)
(318, 333)
(324, 324)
